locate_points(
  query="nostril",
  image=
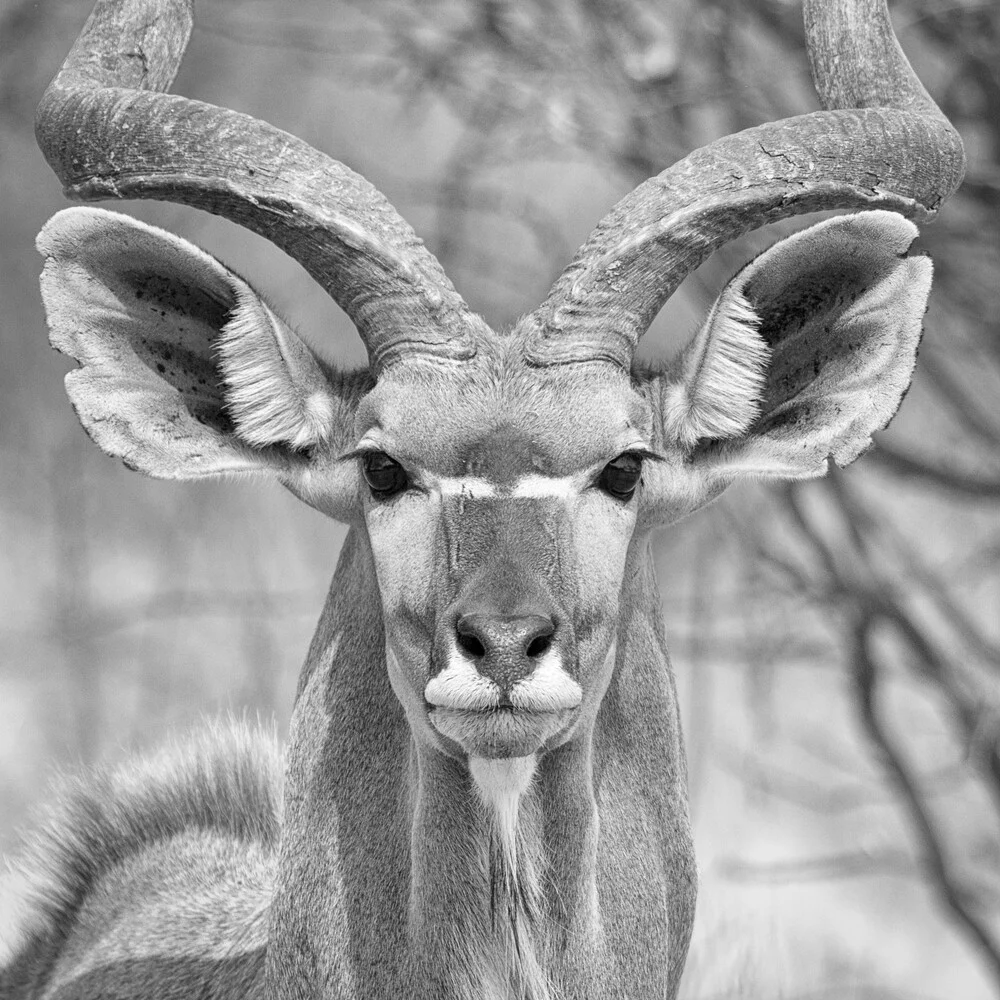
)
(504, 642)
(539, 645)
(471, 644)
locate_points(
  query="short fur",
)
(398, 870)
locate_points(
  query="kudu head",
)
(502, 480)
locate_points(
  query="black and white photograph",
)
(499, 499)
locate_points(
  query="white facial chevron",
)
(527, 487)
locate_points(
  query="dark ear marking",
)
(172, 317)
(184, 371)
(837, 313)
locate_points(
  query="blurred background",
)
(837, 643)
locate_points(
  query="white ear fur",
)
(807, 352)
(722, 375)
(275, 390)
(184, 371)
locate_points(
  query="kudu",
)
(483, 794)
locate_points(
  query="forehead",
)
(496, 418)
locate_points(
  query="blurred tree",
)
(838, 641)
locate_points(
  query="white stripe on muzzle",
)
(462, 687)
(548, 688)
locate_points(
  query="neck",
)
(403, 874)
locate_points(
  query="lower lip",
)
(498, 732)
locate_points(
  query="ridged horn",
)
(881, 143)
(108, 131)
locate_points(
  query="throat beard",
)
(504, 789)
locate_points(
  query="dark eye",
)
(384, 475)
(620, 477)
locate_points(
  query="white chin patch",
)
(501, 783)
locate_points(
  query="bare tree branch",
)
(961, 900)
(906, 466)
(889, 862)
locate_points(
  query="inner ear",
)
(169, 318)
(179, 358)
(821, 319)
(184, 371)
(838, 308)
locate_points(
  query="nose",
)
(504, 648)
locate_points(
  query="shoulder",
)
(220, 789)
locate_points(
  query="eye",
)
(621, 476)
(384, 475)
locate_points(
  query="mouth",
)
(546, 690)
(499, 732)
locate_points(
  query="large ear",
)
(807, 352)
(184, 371)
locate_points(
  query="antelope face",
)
(500, 501)
(500, 480)
(501, 475)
